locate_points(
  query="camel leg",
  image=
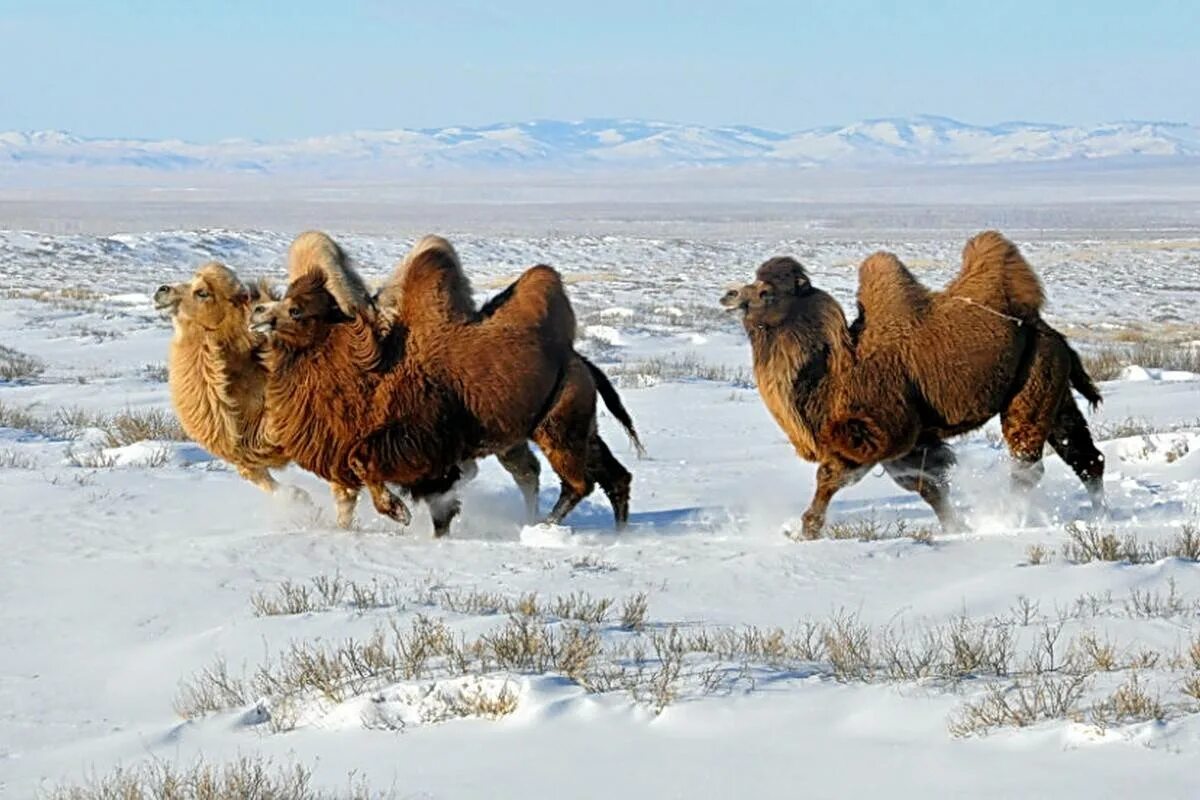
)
(260, 477)
(345, 498)
(389, 503)
(438, 493)
(926, 471)
(443, 509)
(831, 476)
(564, 436)
(1072, 440)
(523, 466)
(1029, 416)
(614, 479)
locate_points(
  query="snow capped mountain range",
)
(923, 140)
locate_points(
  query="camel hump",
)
(429, 283)
(536, 299)
(995, 274)
(317, 252)
(888, 290)
(444, 271)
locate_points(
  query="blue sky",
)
(217, 68)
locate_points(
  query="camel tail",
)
(989, 252)
(857, 439)
(612, 401)
(1082, 382)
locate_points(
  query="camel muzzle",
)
(165, 299)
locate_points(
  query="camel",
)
(916, 368)
(215, 373)
(426, 401)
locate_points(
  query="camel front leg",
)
(260, 477)
(831, 476)
(389, 503)
(345, 498)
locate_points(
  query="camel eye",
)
(766, 295)
(201, 294)
(295, 313)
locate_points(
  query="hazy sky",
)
(217, 68)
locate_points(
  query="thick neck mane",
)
(217, 384)
(798, 365)
(319, 398)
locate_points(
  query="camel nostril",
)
(259, 309)
(164, 289)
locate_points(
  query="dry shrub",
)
(1035, 554)
(1129, 703)
(244, 779)
(1088, 543)
(211, 689)
(633, 612)
(1106, 363)
(11, 459)
(18, 366)
(1021, 703)
(676, 367)
(872, 530)
(124, 428)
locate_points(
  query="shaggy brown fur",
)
(958, 350)
(411, 406)
(215, 372)
(916, 367)
(314, 251)
(802, 357)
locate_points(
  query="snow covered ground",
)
(131, 568)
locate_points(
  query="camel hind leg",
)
(613, 478)
(1072, 440)
(926, 471)
(1027, 420)
(523, 466)
(564, 436)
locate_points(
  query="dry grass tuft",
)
(1088, 543)
(124, 428)
(676, 367)
(244, 779)
(11, 459)
(1106, 363)
(633, 612)
(1129, 703)
(1021, 703)
(871, 529)
(1035, 554)
(17, 366)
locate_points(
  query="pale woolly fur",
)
(216, 379)
(314, 251)
(459, 295)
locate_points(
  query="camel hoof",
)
(399, 512)
(295, 494)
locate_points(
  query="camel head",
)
(215, 299)
(779, 283)
(303, 317)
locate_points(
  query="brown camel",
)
(905, 377)
(424, 403)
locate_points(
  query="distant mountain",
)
(922, 140)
